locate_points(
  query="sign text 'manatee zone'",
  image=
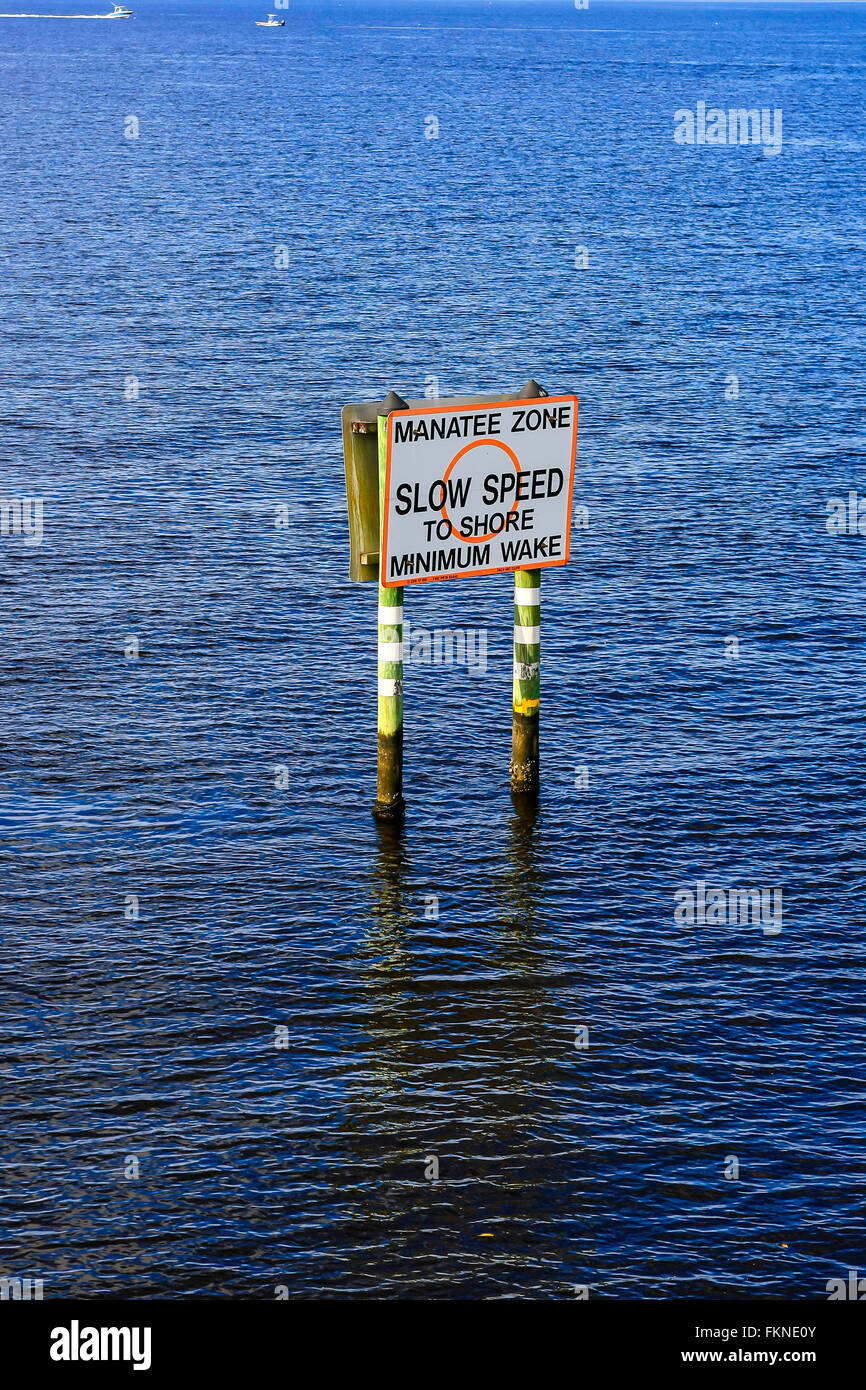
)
(471, 491)
(458, 426)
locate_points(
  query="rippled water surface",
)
(305, 1165)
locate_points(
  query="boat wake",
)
(119, 12)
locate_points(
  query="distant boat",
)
(270, 23)
(120, 12)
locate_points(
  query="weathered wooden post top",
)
(460, 485)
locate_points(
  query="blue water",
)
(153, 1040)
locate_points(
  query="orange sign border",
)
(467, 407)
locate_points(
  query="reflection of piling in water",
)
(523, 882)
(389, 876)
(525, 1024)
(384, 945)
(386, 975)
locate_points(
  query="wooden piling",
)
(527, 663)
(527, 681)
(389, 782)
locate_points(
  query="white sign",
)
(478, 489)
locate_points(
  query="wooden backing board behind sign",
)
(361, 458)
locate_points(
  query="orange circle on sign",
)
(494, 444)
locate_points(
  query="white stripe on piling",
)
(527, 598)
(390, 687)
(390, 651)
